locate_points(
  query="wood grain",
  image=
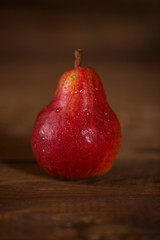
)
(122, 204)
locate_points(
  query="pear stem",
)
(78, 58)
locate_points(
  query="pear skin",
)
(77, 135)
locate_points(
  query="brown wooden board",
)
(35, 49)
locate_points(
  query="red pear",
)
(77, 135)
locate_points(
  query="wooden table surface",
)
(124, 203)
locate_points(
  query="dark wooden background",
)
(121, 42)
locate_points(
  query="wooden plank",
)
(36, 206)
